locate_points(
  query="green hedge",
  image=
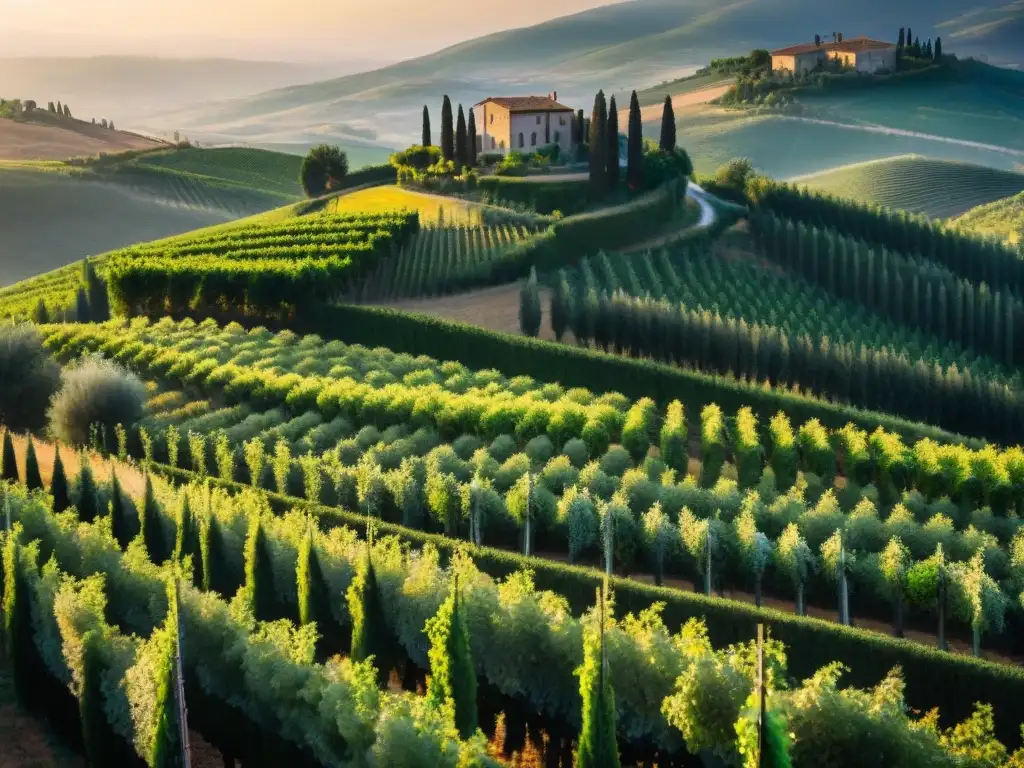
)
(545, 197)
(578, 367)
(933, 678)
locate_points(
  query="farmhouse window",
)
(521, 143)
(538, 119)
(558, 137)
(492, 118)
(533, 139)
(493, 143)
(561, 120)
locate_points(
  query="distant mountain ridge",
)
(618, 47)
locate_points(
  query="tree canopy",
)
(323, 168)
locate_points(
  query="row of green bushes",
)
(933, 678)
(544, 196)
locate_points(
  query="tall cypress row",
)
(59, 483)
(166, 746)
(33, 478)
(98, 737)
(425, 139)
(369, 630)
(668, 126)
(452, 683)
(461, 141)
(120, 523)
(447, 130)
(186, 540)
(22, 657)
(635, 146)
(314, 597)
(612, 136)
(598, 147)
(8, 461)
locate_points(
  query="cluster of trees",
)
(59, 109)
(458, 137)
(910, 291)
(910, 46)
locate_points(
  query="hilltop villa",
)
(522, 123)
(859, 53)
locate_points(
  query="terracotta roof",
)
(527, 104)
(853, 45)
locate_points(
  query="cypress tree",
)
(59, 484)
(668, 126)
(580, 139)
(561, 300)
(259, 572)
(82, 306)
(902, 37)
(909, 40)
(314, 597)
(87, 499)
(612, 136)
(186, 539)
(152, 529)
(22, 656)
(97, 735)
(96, 292)
(529, 306)
(471, 138)
(938, 49)
(461, 141)
(598, 147)
(369, 630)
(40, 315)
(166, 749)
(215, 577)
(447, 130)
(635, 146)
(33, 478)
(425, 139)
(452, 682)
(119, 520)
(8, 461)
(597, 747)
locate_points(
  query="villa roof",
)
(527, 104)
(853, 45)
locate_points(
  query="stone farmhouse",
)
(522, 123)
(859, 53)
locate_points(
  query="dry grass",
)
(431, 208)
(33, 141)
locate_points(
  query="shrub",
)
(28, 378)
(540, 449)
(95, 391)
(616, 461)
(577, 452)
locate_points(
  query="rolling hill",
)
(47, 138)
(616, 47)
(1003, 219)
(117, 201)
(937, 188)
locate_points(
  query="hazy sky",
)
(256, 29)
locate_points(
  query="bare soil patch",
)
(679, 101)
(25, 741)
(35, 141)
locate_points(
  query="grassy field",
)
(937, 188)
(656, 94)
(255, 168)
(787, 147)
(432, 208)
(1003, 219)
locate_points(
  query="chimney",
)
(553, 95)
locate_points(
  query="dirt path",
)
(36, 141)
(25, 741)
(679, 101)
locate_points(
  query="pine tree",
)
(471, 138)
(87, 499)
(59, 484)
(451, 686)
(461, 141)
(119, 520)
(425, 139)
(635, 146)
(152, 528)
(447, 130)
(598, 147)
(33, 478)
(8, 461)
(597, 747)
(40, 315)
(612, 135)
(259, 572)
(668, 127)
(529, 306)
